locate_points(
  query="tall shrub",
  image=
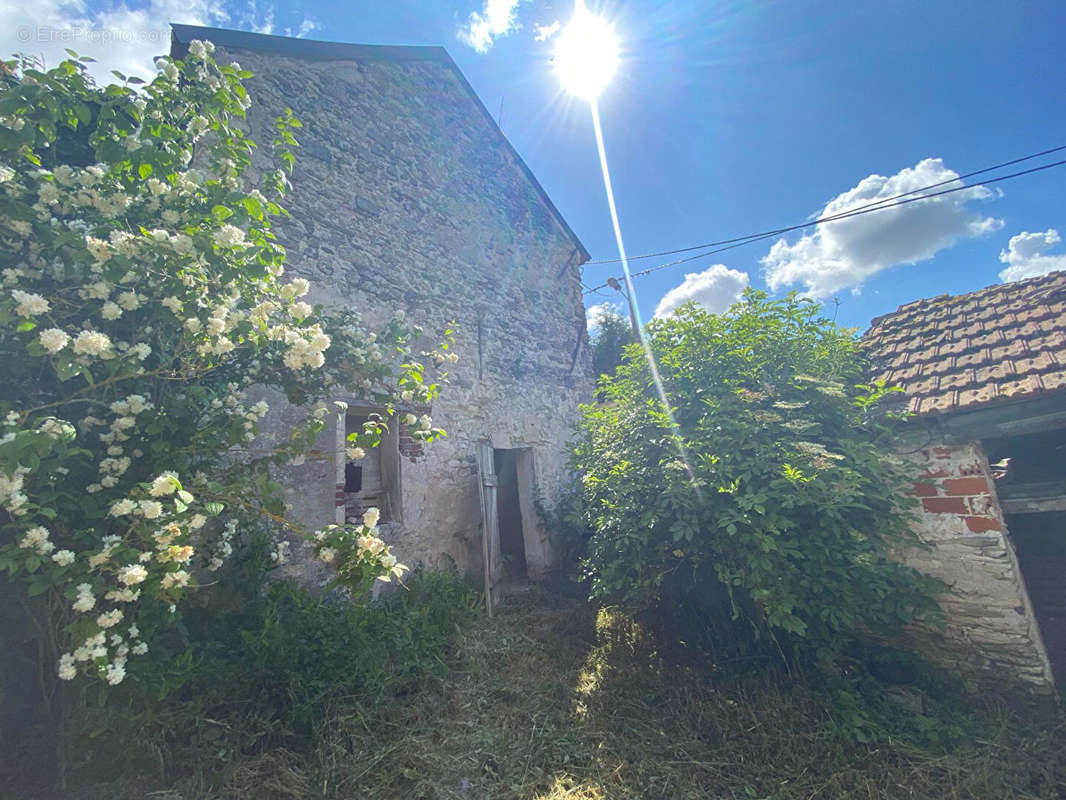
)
(770, 502)
(143, 293)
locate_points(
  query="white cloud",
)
(1026, 255)
(594, 314)
(119, 35)
(716, 289)
(844, 254)
(484, 27)
(307, 27)
(544, 32)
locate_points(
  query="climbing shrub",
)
(142, 295)
(764, 505)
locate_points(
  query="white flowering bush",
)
(142, 294)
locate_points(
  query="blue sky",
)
(728, 118)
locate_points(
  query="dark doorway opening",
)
(1030, 473)
(509, 514)
(1040, 540)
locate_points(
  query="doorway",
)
(1031, 487)
(509, 518)
(1040, 541)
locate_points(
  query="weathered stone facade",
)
(406, 196)
(990, 628)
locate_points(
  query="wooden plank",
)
(489, 535)
(1033, 505)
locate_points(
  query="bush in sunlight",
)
(769, 513)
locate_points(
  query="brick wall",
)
(991, 629)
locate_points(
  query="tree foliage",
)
(611, 335)
(773, 506)
(142, 298)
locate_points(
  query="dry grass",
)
(550, 702)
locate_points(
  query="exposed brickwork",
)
(944, 505)
(955, 352)
(411, 448)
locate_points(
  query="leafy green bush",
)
(767, 516)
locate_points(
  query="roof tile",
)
(1035, 365)
(995, 372)
(982, 394)
(1054, 380)
(953, 348)
(957, 380)
(1009, 350)
(942, 402)
(1021, 386)
(1007, 340)
(974, 358)
(988, 338)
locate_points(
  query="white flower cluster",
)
(165, 484)
(12, 496)
(224, 546)
(85, 599)
(37, 539)
(281, 552)
(306, 347)
(29, 304)
(53, 340)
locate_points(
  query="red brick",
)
(982, 524)
(924, 490)
(965, 486)
(945, 505)
(935, 473)
(943, 452)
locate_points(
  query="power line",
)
(839, 215)
(868, 209)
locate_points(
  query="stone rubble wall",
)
(404, 198)
(991, 629)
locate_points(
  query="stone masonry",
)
(990, 624)
(406, 196)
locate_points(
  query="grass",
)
(551, 700)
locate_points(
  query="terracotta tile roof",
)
(955, 352)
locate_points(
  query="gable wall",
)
(991, 629)
(405, 199)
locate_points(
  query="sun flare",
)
(586, 54)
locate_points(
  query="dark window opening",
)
(374, 480)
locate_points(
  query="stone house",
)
(985, 375)
(407, 196)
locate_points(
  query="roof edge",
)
(317, 50)
(312, 49)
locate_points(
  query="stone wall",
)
(405, 197)
(991, 629)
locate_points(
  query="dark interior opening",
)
(509, 514)
(1040, 540)
(1030, 474)
(353, 477)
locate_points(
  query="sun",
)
(586, 54)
